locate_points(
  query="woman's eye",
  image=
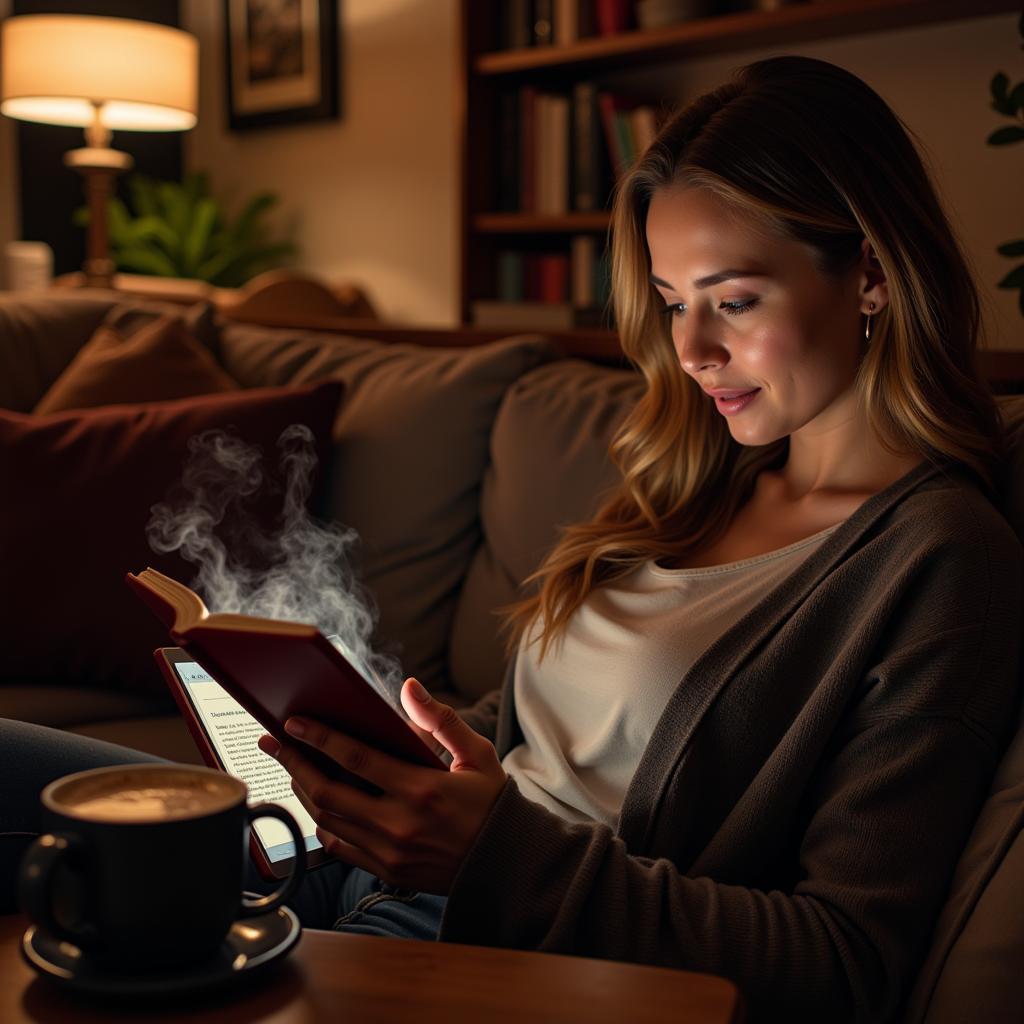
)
(675, 309)
(735, 308)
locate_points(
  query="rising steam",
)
(298, 572)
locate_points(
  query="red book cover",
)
(609, 107)
(554, 277)
(277, 669)
(612, 16)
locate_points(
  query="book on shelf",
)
(551, 154)
(659, 13)
(543, 22)
(590, 165)
(515, 25)
(553, 283)
(511, 275)
(574, 276)
(527, 148)
(567, 22)
(531, 316)
(612, 16)
(583, 264)
(523, 23)
(629, 127)
(508, 151)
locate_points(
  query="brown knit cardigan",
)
(795, 819)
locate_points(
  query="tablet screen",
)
(233, 733)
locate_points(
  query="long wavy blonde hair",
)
(811, 152)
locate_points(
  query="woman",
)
(754, 705)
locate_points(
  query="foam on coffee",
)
(148, 795)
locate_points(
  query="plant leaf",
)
(146, 261)
(198, 236)
(180, 230)
(176, 212)
(999, 84)
(143, 196)
(119, 222)
(1014, 279)
(1004, 136)
(245, 226)
(154, 229)
(1011, 248)
(214, 268)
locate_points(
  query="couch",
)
(455, 467)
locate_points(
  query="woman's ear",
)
(873, 285)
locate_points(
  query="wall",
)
(372, 196)
(936, 78)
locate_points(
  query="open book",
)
(277, 669)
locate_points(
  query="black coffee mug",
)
(143, 865)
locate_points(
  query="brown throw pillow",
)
(78, 494)
(160, 361)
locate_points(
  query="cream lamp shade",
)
(59, 68)
(103, 74)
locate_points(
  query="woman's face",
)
(779, 325)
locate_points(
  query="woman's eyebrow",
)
(707, 282)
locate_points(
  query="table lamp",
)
(103, 74)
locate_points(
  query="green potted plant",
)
(180, 230)
(1010, 103)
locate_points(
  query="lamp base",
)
(96, 158)
(98, 167)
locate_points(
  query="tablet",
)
(226, 736)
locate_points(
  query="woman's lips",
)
(737, 403)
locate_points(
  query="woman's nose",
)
(697, 349)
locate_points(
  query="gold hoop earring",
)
(867, 326)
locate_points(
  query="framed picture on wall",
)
(281, 62)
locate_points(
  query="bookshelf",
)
(492, 232)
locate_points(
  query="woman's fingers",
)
(379, 769)
(468, 748)
(323, 792)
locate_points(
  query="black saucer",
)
(252, 943)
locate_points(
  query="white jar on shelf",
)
(28, 266)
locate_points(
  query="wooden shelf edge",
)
(740, 30)
(526, 223)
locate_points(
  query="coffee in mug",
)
(143, 865)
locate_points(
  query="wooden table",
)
(354, 978)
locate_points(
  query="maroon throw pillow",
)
(159, 362)
(78, 492)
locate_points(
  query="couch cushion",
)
(41, 331)
(74, 522)
(549, 467)
(975, 967)
(160, 735)
(63, 707)
(411, 448)
(158, 361)
(1011, 408)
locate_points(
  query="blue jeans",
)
(336, 896)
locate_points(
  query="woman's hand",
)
(416, 832)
